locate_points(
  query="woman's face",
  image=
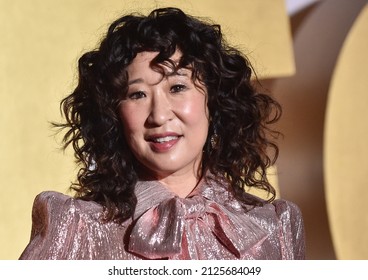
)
(165, 118)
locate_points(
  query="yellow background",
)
(40, 42)
(346, 145)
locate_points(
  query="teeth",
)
(165, 139)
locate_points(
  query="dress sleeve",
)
(54, 222)
(292, 235)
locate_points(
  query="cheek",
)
(130, 119)
(196, 112)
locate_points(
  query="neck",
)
(180, 183)
(182, 186)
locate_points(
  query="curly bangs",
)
(239, 115)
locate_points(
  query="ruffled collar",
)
(166, 226)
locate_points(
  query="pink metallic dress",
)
(208, 224)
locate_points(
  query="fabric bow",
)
(193, 228)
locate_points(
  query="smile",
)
(165, 139)
(163, 143)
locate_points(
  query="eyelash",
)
(140, 94)
(136, 95)
(177, 88)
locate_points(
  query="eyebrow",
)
(135, 81)
(140, 80)
(178, 73)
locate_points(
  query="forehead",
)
(148, 56)
(143, 59)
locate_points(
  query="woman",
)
(169, 132)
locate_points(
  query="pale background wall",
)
(41, 40)
(326, 195)
(346, 145)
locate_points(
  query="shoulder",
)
(283, 221)
(279, 211)
(292, 234)
(53, 209)
(57, 199)
(280, 214)
(51, 195)
(289, 216)
(50, 199)
(64, 227)
(51, 203)
(286, 209)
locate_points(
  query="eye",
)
(136, 95)
(177, 88)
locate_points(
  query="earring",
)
(214, 139)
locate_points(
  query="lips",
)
(164, 139)
(163, 142)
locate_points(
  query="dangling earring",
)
(214, 139)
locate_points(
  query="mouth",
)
(163, 142)
(164, 139)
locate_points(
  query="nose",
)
(160, 109)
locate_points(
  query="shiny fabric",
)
(208, 224)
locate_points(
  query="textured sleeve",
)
(292, 234)
(54, 221)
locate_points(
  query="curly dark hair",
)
(238, 114)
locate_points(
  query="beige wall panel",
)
(259, 28)
(40, 42)
(318, 37)
(346, 146)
